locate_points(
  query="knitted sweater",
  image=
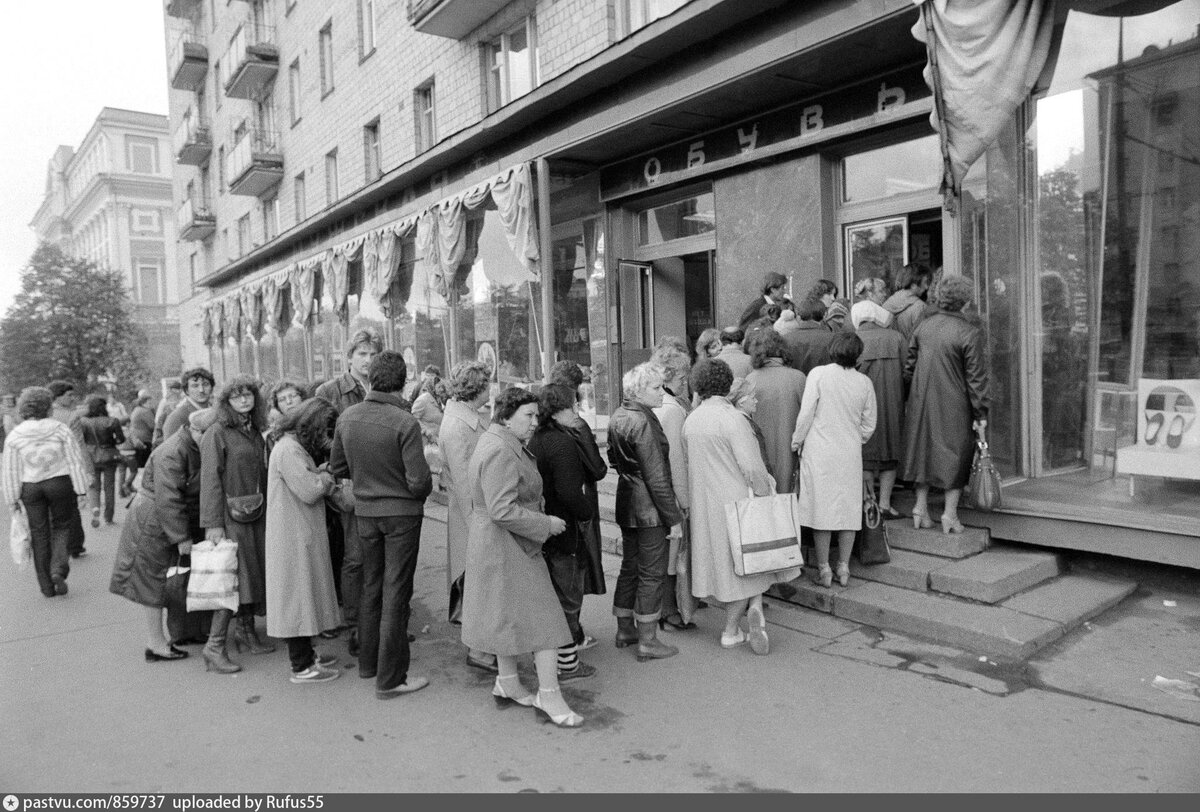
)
(38, 450)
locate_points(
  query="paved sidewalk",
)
(834, 707)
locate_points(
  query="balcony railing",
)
(185, 9)
(451, 18)
(251, 62)
(195, 219)
(189, 62)
(193, 141)
(255, 163)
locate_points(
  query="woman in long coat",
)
(461, 427)
(509, 604)
(299, 577)
(674, 365)
(233, 463)
(836, 418)
(948, 400)
(723, 462)
(882, 361)
(779, 390)
(162, 523)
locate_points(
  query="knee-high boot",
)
(246, 636)
(215, 658)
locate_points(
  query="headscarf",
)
(867, 310)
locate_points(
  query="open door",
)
(636, 318)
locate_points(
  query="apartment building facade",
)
(110, 201)
(532, 180)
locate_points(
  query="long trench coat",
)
(509, 603)
(458, 434)
(723, 462)
(948, 390)
(779, 390)
(233, 463)
(299, 579)
(882, 361)
(836, 418)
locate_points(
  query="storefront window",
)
(246, 357)
(230, 358)
(420, 320)
(268, 357)
(683, 218)
(328, 339)
(580, 315)
(294, 366)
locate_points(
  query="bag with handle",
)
(871, 543)
(984, 485)
(19, 540)
(764, 533)
(213, 581)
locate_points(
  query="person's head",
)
(770, 312)
(63, 392)
(774, 286)
(845, 348)
(671, 341)
(8, 401)
(810, 310)
(643, 384)
(312, 424)
(824, 291)
(871, 289)
(743, 396)
(174, 392)
(469, 382)
(241, 402)
(673, 364)
(915, 276)
(708, 344)
(556, 400)
(35, 403)
(711, 377)
(200, 420)
(197, 383)
(567, 373)
(361, 349)
(286, 396)
(430, 375)
(952, 294)
(96, 406)
(732, 335)
(387, 372)
(517, 410)
(764, 344)
(143, 399)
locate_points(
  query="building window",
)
(326, 50)
(366, 28)
(221, 169)
(372, 163)
(634, 14)
(270, 212)
(331, 177)
(243, 235)
(511, 64)
(149, 280)
(423, 98)
(192, 262)
(294, 90)
(218, 91)
(299, 199)
(141, 154)
(145, 222)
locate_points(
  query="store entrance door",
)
(881, 246)
(668, 296)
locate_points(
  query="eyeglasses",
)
(242, 396)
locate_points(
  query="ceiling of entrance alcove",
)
(852, 58)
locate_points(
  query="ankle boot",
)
(627, 633)
(215, 658)
(649, 647)
(245, 635)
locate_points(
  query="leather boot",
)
(215, 658)
(246, 636)
(649, 647)
(627, 633)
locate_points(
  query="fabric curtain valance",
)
(252, 311)
(233, 316)
(302, 279)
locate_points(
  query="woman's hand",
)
(557, 526)
(980, 426)
(185, 547)
(327, 482)
(214, 534)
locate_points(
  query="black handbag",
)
(245, 509)
(175, 587)
(984, 485)
(871, 542)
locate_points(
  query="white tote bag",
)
(213, 581)
(764, 533)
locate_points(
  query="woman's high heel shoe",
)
(503, 696)
(921, 520)
(568, 719)
(951, 525)
(825, 576)
(843, 574)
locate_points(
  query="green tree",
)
(72, 321)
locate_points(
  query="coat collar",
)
(386, 397)
(463, 411)
(508, 438)
(347, 383)
(801, 324)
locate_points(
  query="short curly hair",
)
(953, 293)
(639, 379)
(469, 379)
(566, 373)
(283, 386)
(95, 406)
(553, 398)
(671, 362)
(764, 344)
(509, 401)
(711, 376)
(34, 403)
(196, 372)
(870, 287)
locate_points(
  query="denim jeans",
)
(567, 577)
(48, 504)
(389, 547)
(352, 569)
(105, 475)
(300, 653)
(639, 589)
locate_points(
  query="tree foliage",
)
(71, 320)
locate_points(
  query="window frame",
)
(497, 77)
(325, 52)
(133, 142)
(295, 99)
(158, 264)
(300, 197)
(372, 149)
(425, 115)
(270, 217)
(332, 181)
(242, 225)
(367, 45)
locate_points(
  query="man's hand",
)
(214, 534)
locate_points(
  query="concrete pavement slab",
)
(994, 574)
(907, 570)
(1072, 599)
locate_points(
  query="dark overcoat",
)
(234, 463)
(882, 360)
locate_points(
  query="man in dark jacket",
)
(808, 346)
(344, 391)
(774, 291)
(197, 386)
(377, 444)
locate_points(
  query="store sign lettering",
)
(795, 124)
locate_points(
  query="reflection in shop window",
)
(268, 357)
(292, 339)
(683, 218)
(580, 315)
(419, 314)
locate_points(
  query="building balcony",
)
(193, 142)
(184, 9)
(195, 220)
(189, 62)
(451, 18)
(255, 164)
(251, 62)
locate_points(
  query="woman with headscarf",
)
(882, 361)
